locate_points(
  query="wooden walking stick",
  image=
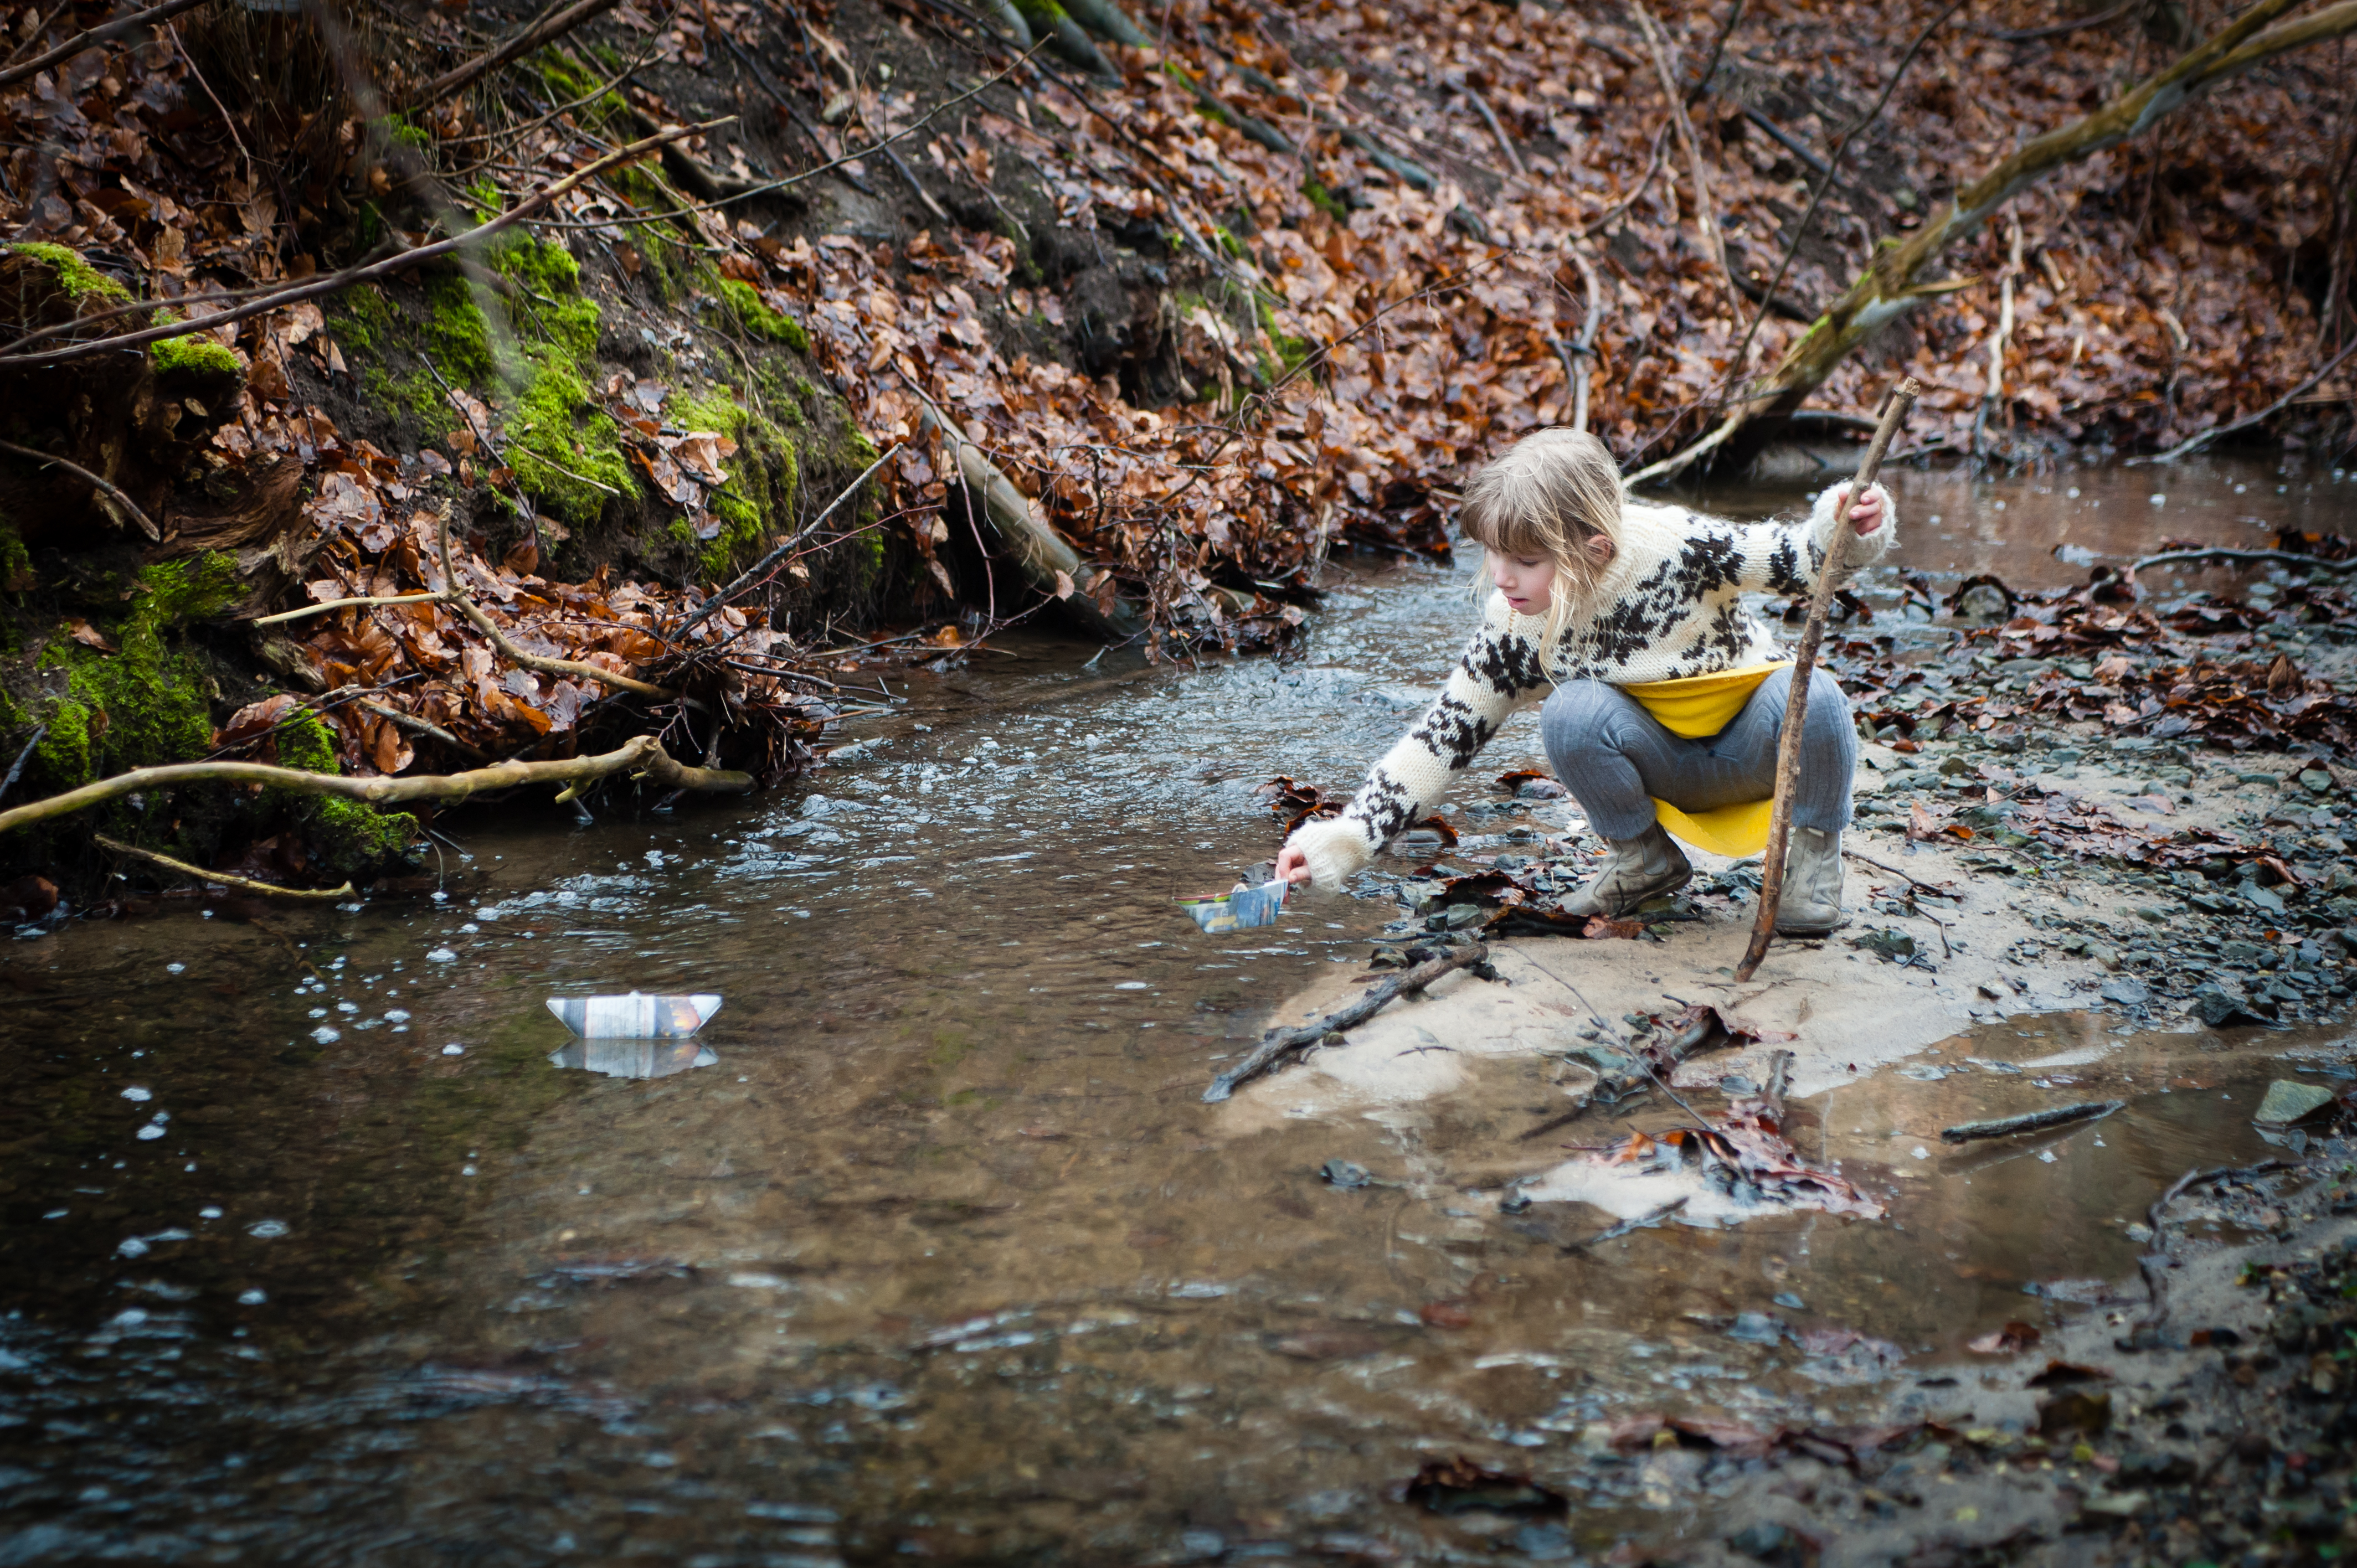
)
(1804, 664)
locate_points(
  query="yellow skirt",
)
(1697, 707)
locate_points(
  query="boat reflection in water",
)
(634, 1059)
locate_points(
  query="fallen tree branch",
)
(1911, 879)
(1888, 287)
(108, 490)
(104, 33)
(2056, 29)
(247, 884)
(1279, 1044)
(2033, 1122)
(1498, 132)
(552, 25)
(642, 753)
(318, 609)
(366, 272)
(1580, 355)
(2195, 443)
(1652, 1217)
(1047, 560)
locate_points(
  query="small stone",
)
(2288, 1102)
(2126, 991)
(2318, 780)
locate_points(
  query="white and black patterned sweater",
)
(1671, 607)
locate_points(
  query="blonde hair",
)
(1549, 495)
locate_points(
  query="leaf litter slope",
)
(1382, 212)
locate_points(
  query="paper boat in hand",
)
(636, 1016)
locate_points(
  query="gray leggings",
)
(1616, 758)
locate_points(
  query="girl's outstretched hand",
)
(1867, 515)
(1292, 866)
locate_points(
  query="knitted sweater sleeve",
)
(1499, 671)
(1786, 557)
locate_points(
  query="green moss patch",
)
(745, 304)
(145, 704)
(77, 277)
(557, 440)
(194, 356)
(351, 838)
(564, 450)
(762, 477)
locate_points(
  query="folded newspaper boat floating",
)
(634, 1059)
(635, 1015)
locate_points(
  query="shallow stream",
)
(312, 1254)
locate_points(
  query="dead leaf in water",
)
(1460, 1486)
(2005, 1341)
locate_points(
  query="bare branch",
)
(96, 35)
(554, 24)
(642, 753)
(245, 882)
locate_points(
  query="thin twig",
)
(427, 728)
(366, 272)
(1614, 1232)
(553, 25)
(17, 769)
(752, 573)
(282, 616)
(107, 488)
(1498, 132)
(105, 33)
(1824, 180)
(1714, 243)
(2195, 444)
(1717, 48)
(222, 877)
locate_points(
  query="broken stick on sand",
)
(1278, 1044)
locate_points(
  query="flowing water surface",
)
(321, 1247)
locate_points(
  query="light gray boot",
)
(1811, 905)
(1637, 869)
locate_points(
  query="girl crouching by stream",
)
(1663, 698)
